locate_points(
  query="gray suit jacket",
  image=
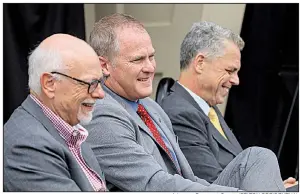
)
(130, 157)
(36, 158)
(207, 151)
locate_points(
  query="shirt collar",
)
(133, 104)
(73, 135)
(203, 105)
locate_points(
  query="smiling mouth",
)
(90, 105)
(226, 88)
(143, 79)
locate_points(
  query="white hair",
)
(42, 60)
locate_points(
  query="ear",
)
(104, 65)
(198, 62)
(48, 84)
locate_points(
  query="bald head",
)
(59, 52)
(71, 49)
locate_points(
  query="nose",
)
(235, 79)
(98, 92)
(149, 66)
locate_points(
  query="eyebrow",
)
(141, 56)
(137, 57)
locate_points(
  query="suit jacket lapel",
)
(137, 118)
(227, 144)
(93, 164)
(222, 141)
(169, 135)
(156, 119)
(130, 110)
(231, 138)
(185, 95)
(36, 111)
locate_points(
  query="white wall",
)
(90, 19)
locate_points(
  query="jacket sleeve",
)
(34, 163)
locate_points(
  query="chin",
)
(143, 96)
(85, 119)
(148, 94)
(144, 93)
(220, 101)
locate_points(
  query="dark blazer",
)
(207, 151)
(36, 157)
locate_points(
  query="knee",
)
(263, 153)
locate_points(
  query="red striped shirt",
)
(74, 137)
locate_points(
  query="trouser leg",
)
(254, 169)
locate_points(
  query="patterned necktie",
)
(148, 121)
(215, 121)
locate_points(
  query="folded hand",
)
(290, 182)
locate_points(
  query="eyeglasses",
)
(92, 85)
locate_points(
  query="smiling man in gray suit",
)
(44, 144)
(131, 135)
(209, 62)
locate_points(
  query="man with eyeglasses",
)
(44, 142)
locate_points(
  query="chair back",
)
(163, 88)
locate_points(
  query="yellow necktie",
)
(215, 121)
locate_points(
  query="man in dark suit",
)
(44, 144)
(209, 63)
(131, 135)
